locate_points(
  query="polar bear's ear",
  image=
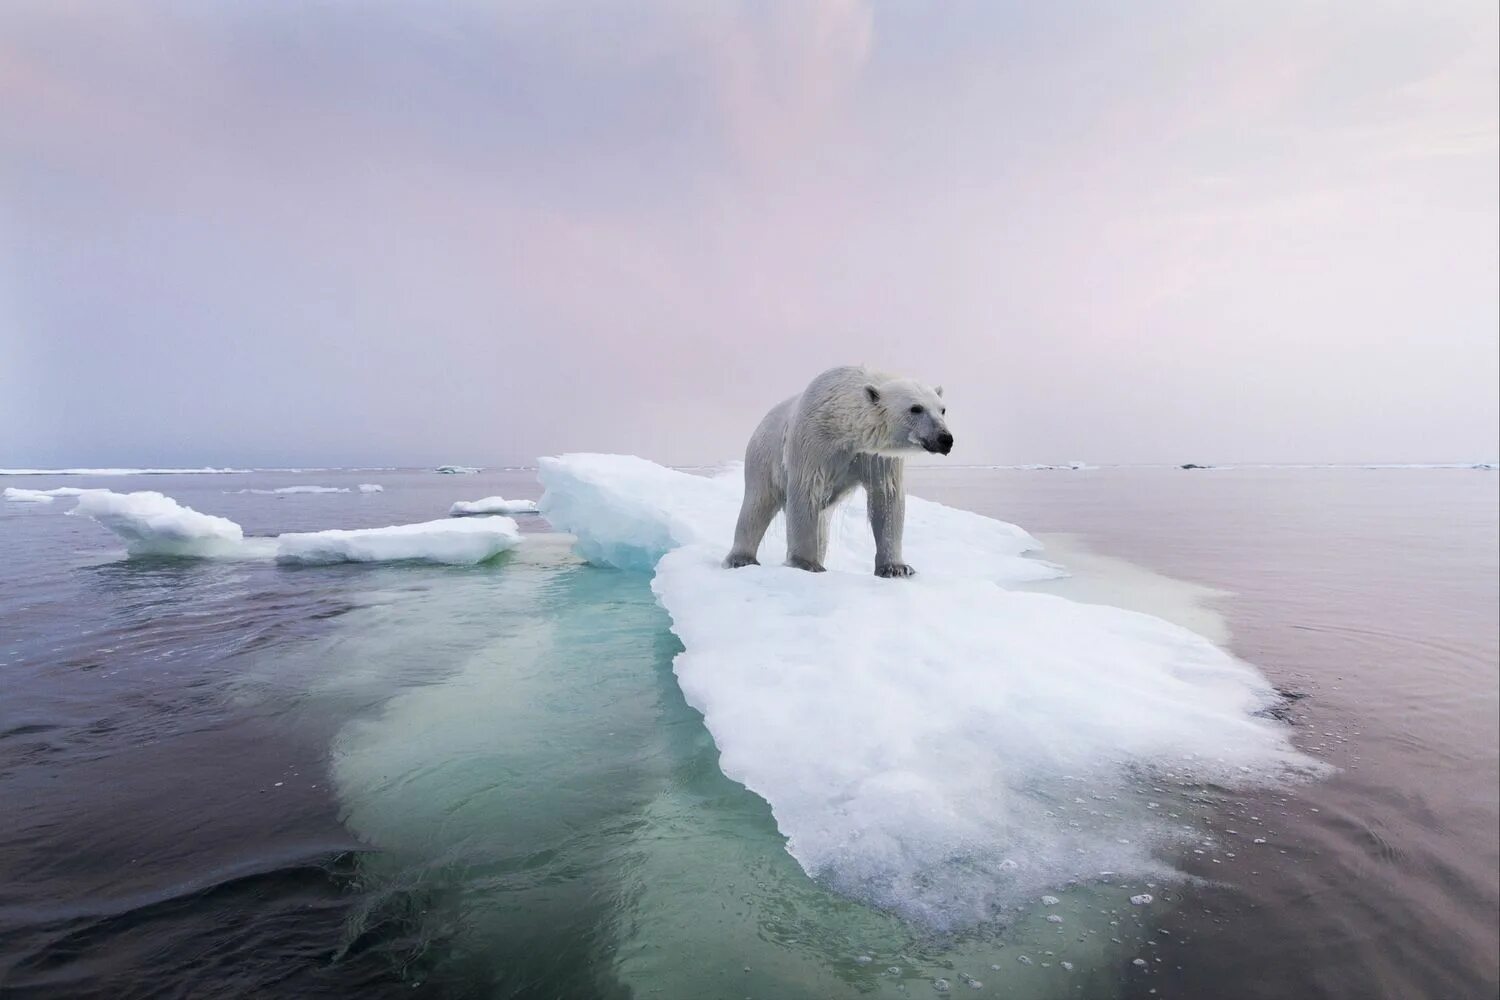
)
(873, 393)
(937, 390)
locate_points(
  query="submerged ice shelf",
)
(944, 746)
(153, 524)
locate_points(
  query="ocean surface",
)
(231, 778)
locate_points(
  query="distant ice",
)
(944, 746)
(119, 472)
(457, 470)
(153, 524)
(492, 505)
(371, 488)
(300, 489)
(15, 493)
(28, 496)
(1069, 467)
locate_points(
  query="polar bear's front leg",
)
(885, 492)
(806, 531)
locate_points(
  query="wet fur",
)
(850, 427)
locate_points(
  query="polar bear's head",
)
(915, 416)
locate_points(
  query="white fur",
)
(851, 426)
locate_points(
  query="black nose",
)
(945, 442)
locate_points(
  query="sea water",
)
(486, 781)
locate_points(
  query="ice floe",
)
(371, 488)
(19, 495)
(457, 470)
(153, 524)
(944, 746)
(457, 543)
(492, 505)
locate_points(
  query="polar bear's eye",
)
(917, 408)
(944, 411)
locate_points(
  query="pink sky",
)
(322, 234)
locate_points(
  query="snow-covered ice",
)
(371, 488)
(457, 470)
(458, 543)
(153, 524)
(627, 512)
(924, 744)
(492, 505)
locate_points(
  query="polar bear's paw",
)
(737, 559)
(797, 562)
(892, 570)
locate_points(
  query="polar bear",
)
(850, 426)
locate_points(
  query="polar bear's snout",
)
(941, 444)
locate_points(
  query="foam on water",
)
(943, 746)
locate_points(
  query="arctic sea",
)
(527, 777)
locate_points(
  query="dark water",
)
(238, 779)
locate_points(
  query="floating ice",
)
(456, 470)
(371, 488)
(458, 543)
(627, 512)
(289, 490)
(16, 494)
(153, 524)
(119, 472)
(492, 505)
(45, 496)
(912, 736)
(1143, 899)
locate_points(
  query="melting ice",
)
(944, 746)
(153, 524)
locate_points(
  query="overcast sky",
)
(460, 231)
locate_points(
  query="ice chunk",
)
(459, 543)
(913, 736)
(371, 488)
(492, 505)
(153, 524)
(457, 470)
